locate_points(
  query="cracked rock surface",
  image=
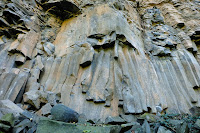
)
(101, 58)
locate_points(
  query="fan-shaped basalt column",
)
(101, 68)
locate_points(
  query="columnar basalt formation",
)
(101, 58)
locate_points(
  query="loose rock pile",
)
(61, 119)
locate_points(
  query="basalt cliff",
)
(101, 58)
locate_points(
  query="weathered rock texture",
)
(101, 57)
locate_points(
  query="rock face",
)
(101, 58)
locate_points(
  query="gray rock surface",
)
(46, 126)
(163, 130)
(114, 120)
(197, 124)
(182, 128)
(103, 57)
(7, 106)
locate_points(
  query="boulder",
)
(63, 113)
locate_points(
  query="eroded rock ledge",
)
(101, 58)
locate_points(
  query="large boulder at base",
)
(62, 113)
(51, 126)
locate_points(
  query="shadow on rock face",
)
(61, 8)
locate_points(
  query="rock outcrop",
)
(104, 58)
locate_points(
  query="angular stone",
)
(38, 63)
(4, 86)
(7, 104)
(46, 109)
(146, 127)
(52, 98)
(25, 44)
(197, 124)
(32, 97)
(136, 128)
(16, 89)
(128, 126)
(114, 120)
